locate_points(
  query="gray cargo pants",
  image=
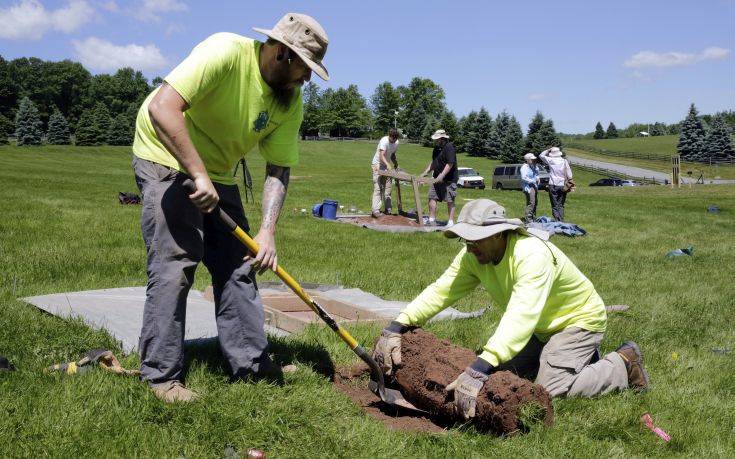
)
(531, 199)
(177, 237)
(569, 365)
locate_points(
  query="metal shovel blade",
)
(392, 397)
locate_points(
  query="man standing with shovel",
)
(553, 323)
(229, 95)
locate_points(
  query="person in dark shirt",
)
(444, 166)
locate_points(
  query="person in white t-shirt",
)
(385, 154)
(560, 180)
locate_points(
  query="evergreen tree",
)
(6, 127)
(658, 129)
(122, 131)
(533, 139)
(496, 140)
(718, 143)
(599, 132)
(385, 102)
(87, 130)
(483, 130)
(58, 129)
(612, 131)
(468, 133)
(691, 139)
(548, 136)
(449, 123)
(512, 142)
(28, 123)
(416, 124)
(103, 120)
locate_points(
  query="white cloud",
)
(102, 55)
(645, 59)
(110, 5)
(174, 28)
(29, 19)
(535, 96)
(150, 10)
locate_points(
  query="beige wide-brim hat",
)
(439, 134)
(305, 36)
(554, 152)
(482, 218)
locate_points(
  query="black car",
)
(607, 182)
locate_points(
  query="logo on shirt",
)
(261, 121)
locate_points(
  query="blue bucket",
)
(329, 209)
(317, 210)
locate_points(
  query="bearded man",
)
(229, 95)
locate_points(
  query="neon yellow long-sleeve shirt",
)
(542, 291)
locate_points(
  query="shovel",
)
(377, 383)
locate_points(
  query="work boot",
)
(377, 214)
(633, 358)
(174, 391)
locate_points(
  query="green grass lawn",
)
(62, 230)
(663, 145)
(710, 172)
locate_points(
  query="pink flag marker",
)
(647, 420)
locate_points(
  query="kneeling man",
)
(554, 320)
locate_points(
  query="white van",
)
(508, 177)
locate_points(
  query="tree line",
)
(43, 101)
(706, 139)
(55, 99)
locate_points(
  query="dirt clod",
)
(430, 364)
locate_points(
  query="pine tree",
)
(121, 131)
(533, 140)
(416, 124)
(483, 130)
(28, 123)
(599, 132)
(718, 143)
(103, 121)
(548, 136)
(449, 123)
(58, 129)
(6, 127)
(512, 141)
(468, 133)
(86, 133)
(691, 139)
(612, 131)
(496, 141)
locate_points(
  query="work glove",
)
(387, 351)
(467, 386)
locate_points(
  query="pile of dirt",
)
(392, 220)
(353, 382)
(505, 403)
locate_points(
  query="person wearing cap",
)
(384, 159)
(444, 167)
(560, 179)
(530, 180)
(231, 94)
(553, 323)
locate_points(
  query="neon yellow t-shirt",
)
(231, 109)
(540, 297)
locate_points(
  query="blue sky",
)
(578, 62)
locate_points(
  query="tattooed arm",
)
(274, 193)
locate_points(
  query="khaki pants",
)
(382, 187)
(569, 365)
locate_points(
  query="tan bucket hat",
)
(439, 134)
(528, 156)
(482, 218)
(305, 37)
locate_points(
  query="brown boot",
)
(174, 391)
(633, 357)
